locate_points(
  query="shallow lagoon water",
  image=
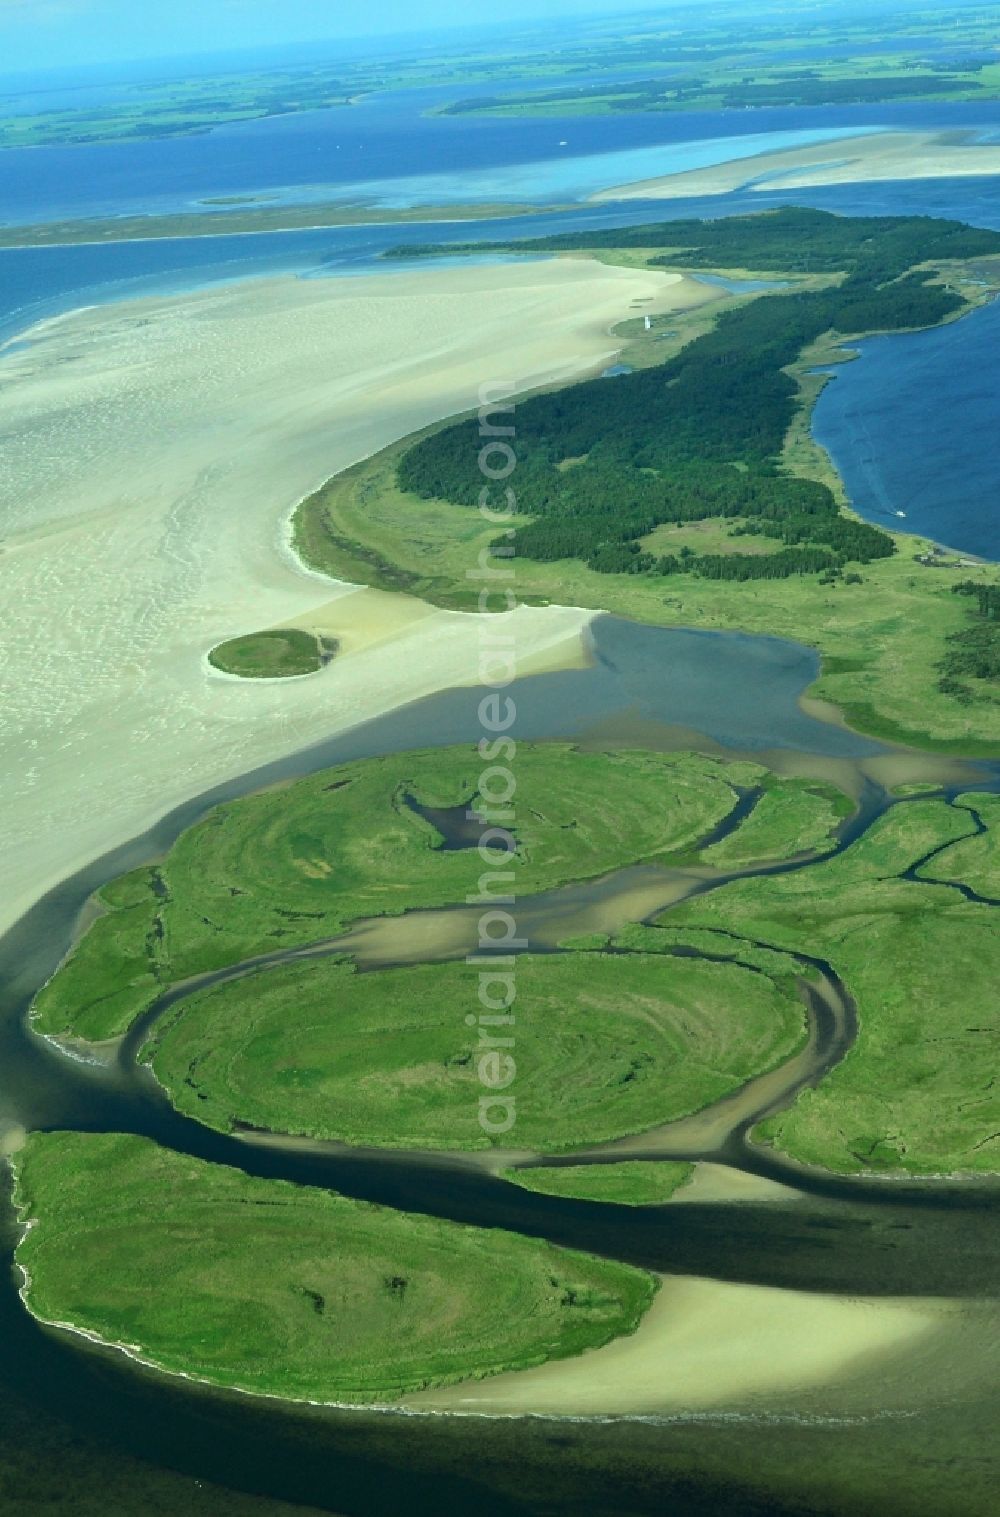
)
(390, 138)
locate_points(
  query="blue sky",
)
(58, 33)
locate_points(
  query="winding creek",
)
(667, 689)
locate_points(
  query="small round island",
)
(278, 653)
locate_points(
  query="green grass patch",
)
(631, 1182)
(780, 967)
(600, 1047)
(274, 654)
(917, 1092)
(795, 817)
(295, 864)
(976, 861)
(294, 1292)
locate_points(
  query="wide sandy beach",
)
(154, 451)
(878, 155)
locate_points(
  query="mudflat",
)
(154, 451)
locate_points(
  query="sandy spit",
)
(882, 155)
(153, 453)
(707, 1345)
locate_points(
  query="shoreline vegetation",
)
(812, 59)
(727, 515)
(322, 1299)
(245, 221)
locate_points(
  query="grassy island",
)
(281, 653)
(294, 866)
(606, 1045)
(293, 1292)
(630, 1182)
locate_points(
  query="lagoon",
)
(910, 425)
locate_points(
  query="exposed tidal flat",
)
(153, 452)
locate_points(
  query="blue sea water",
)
(890, 420)
(913, 426)
(396, 137)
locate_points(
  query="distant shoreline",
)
(246, 221)
(870, 156)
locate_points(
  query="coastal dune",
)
(153, 453)
(877, 155)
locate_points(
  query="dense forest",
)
(602, 463)
(975, 651)
(793, 239)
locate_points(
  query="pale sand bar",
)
(153, 453)
(707, 1345)
(881, 155)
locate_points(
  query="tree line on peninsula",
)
(600, 464)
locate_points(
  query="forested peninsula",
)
(689, 491)
(700, 436)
